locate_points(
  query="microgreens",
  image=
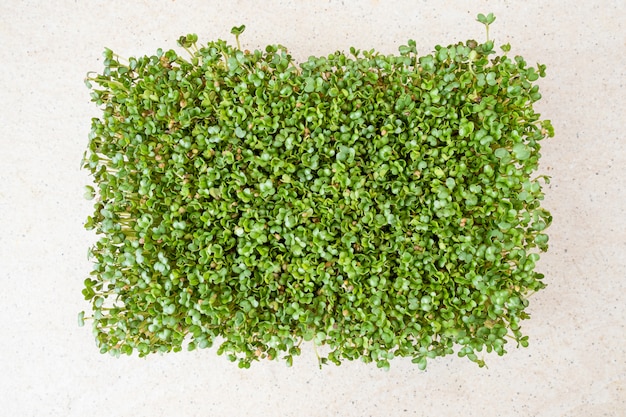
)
(486, 20)
(380, 205)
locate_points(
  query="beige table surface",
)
(576, 362)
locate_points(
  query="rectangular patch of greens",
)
(380, 205)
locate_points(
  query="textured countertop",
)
(576, 362)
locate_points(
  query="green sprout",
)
(378, 206)
(238, 30)
(486, 20)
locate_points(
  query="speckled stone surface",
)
(576, 362)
